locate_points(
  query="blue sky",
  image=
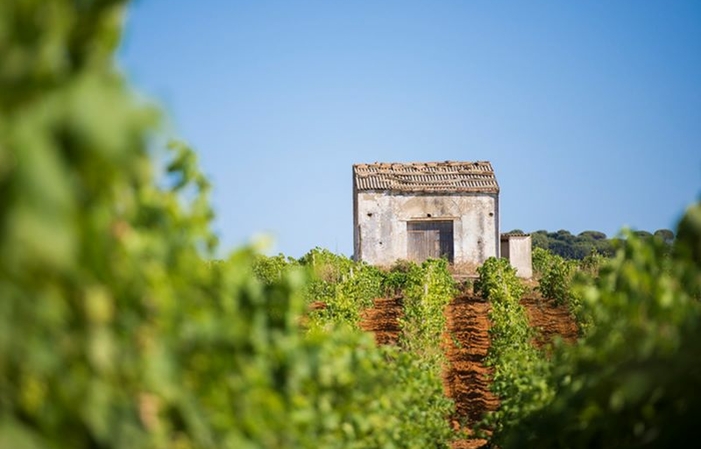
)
(590, 112)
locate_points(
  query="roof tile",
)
(429, 177)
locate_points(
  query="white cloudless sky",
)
(590, 112)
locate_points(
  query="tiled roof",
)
(430, 177)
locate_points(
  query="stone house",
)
(417, 211)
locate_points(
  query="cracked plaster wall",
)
(380, 235)
(518, 249)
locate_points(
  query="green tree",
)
(666, 235)
(592, 235)
(539, 239)
(564, 244)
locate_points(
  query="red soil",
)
(550, 319)
(466, 378)
(383, 320)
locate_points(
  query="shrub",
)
(497, 279)
(271, 269)
(520, 370)
(428, 290)
(541, 259)
(344, 286)
(557, 278)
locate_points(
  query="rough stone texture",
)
(381, 218)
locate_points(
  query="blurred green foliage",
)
(116, 329)
(272, 269)
(346, 288)
(633, 379)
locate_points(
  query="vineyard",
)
(121, 327)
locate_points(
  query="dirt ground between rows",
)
(466, 343)
(550, 319)
(383, 320)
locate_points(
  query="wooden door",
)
(430, 240)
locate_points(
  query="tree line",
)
(570, 246)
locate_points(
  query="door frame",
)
(444, 229)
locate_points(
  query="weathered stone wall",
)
(381, 224)
(517, 248)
